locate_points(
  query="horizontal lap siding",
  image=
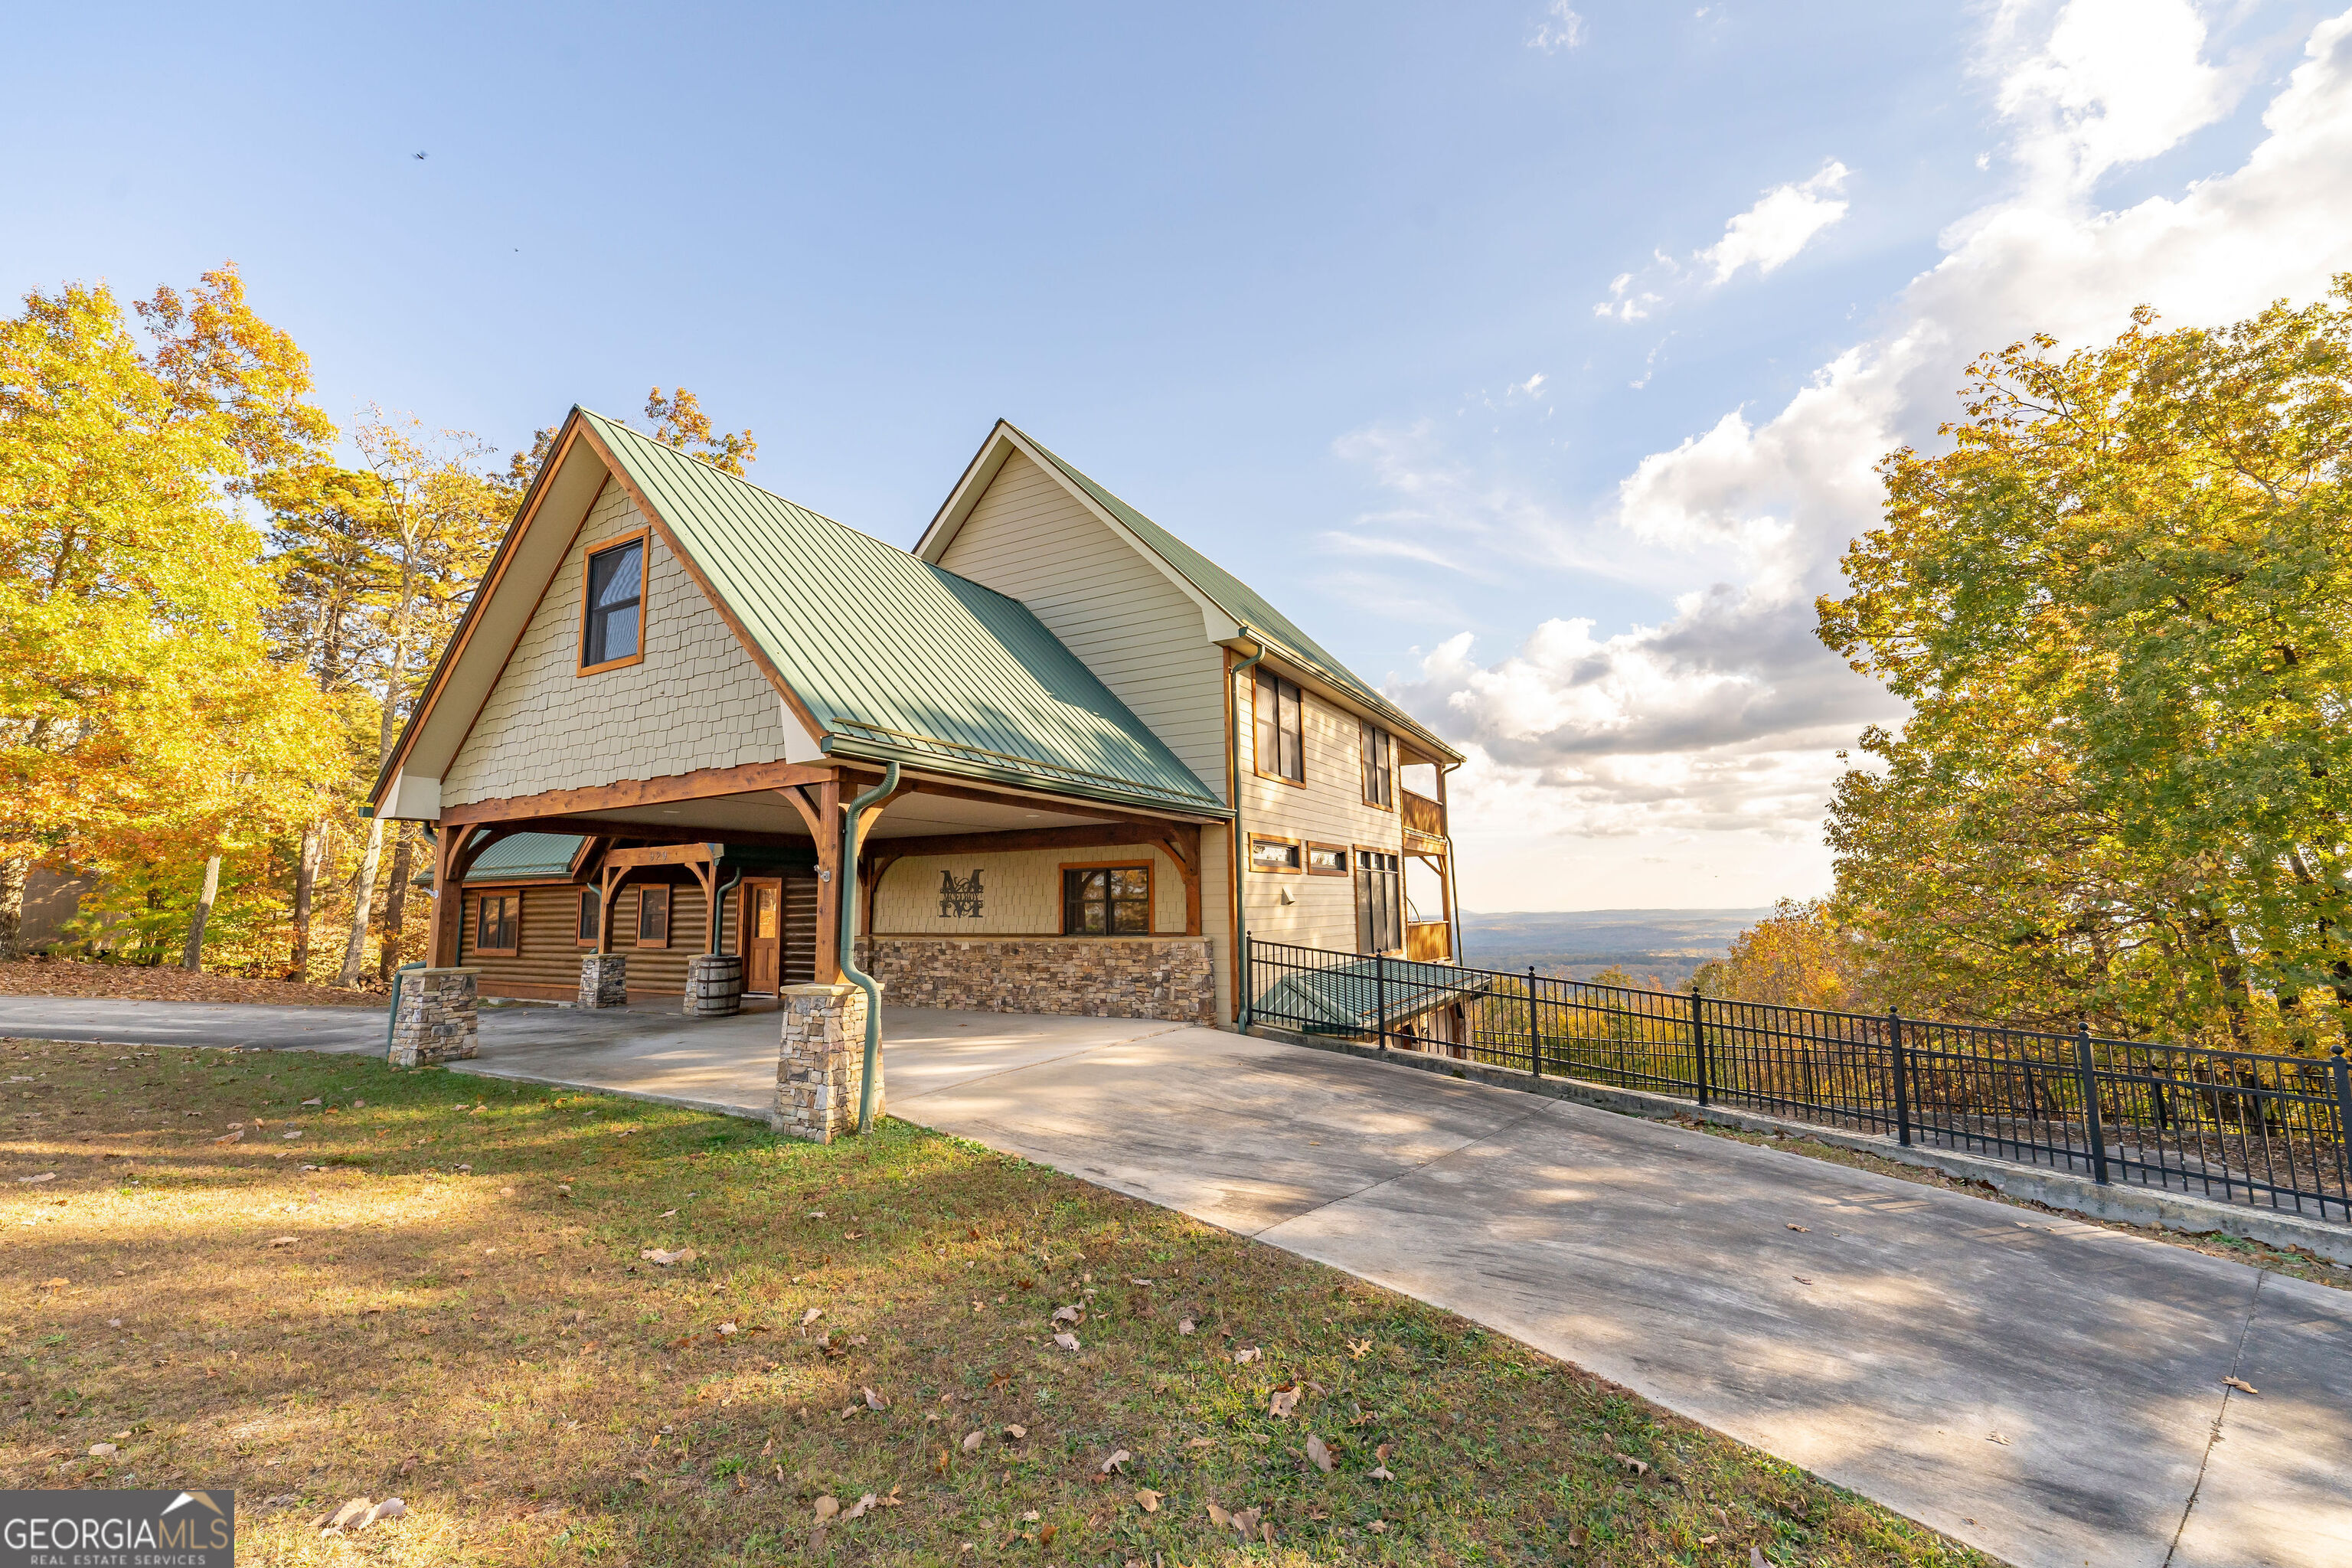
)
(1027, 537)
(1330, 809)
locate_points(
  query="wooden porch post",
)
(826, 831)
(453, 857)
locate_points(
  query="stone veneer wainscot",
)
(1167, 977)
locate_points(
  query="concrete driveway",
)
(2046, 1390)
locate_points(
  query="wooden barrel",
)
(714, 985)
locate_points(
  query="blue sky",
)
(1332, 291)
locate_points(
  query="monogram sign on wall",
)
(960, 899)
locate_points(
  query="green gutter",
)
(847, 872)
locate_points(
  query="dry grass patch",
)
(160, 982)
(439, 1290)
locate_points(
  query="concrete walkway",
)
(2046, 1390)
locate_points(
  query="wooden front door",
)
(763, 930)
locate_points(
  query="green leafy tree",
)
(2121, 610)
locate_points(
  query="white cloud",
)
(1559, 29)
(1782, 222)
(1722, 719)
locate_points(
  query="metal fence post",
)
(1902, 1079)
(1698, 1044)
(1380, 994)
(2089, 1075)
(2342, 1073)
(1249, 982)
(1534, 1027)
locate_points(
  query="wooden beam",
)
(752, 778)
(1184, 847)
(687, 854)
(1101, 836)
(595, 827)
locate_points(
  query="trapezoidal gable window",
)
(1106, 900)
(612, 624)
(497, 925)
(1281, 712)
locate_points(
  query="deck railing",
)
(1422, 814)
(2238, 1126)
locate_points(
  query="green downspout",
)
(1452, 884)
(1240, 839)
(847, 872)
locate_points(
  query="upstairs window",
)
(1281, 750)
(611, 635)
(1379, 767)
(1107, 900)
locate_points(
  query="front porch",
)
(965, 895)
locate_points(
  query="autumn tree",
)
(1801, 955)
(678, 421)
(2120, 607)
(142, 716)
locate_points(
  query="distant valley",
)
(1666, 944)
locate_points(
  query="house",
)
(1113, 754)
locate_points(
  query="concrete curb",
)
(2057, 1189)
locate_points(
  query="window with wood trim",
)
(653, 915)
(1327, 860)
(1268, 853)
(497, 925)
(1380, 901)
(592, 916)
(1379, 764)
(1281, 749)
(1107, 900)
(611, 628)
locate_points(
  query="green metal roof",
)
(1240, 601)
(899, 660)
(1348, 997)
(523, 856)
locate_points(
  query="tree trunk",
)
(363, 902)
(194, 959)
(13, 872)
(306, 882)
(395, 902)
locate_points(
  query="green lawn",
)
(453, 1307)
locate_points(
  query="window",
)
(1379, 767)
(1326, 860)
(653, 916)
(609, 633)
(1281, 750)
(1107, 900)
(591, 914)
(1380, 901)
(498, 924)
(1273, 854)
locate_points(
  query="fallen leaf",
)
(1243, 1358)
(1633, 1466)
(1136, 1279)
(1066, 1314)
(283, 1240)
(972, 1231)
(1067, 1341)
(1186, 1327)
(657, 1254)
(236, 1137)
(1803, 1227)
(1356, 1349)
(1016, 1431)
(826, 1507)
(390, 1508)
(1147, 1499)
(811, 1316)
(1755, 1558)
(861, 1508)
(1201, 1443)
(1046, 1534)
(1708, 1540)
(971, 1440)
(102, 1450)
(2240, 1384)
(1800, 1278)
(665, 1214)
(1996, 1437)
(1318, 1454)
(1284, 1402)
(339, 1519)
(1219, 1518)
(1118, 1457)
(726, 1329)
(872, 1400)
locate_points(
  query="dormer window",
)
(612, 630)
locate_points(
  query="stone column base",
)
(821, 1066)
(714, 985)
(604, 980)
(437, 1020)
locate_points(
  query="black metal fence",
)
(2233, 1125)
